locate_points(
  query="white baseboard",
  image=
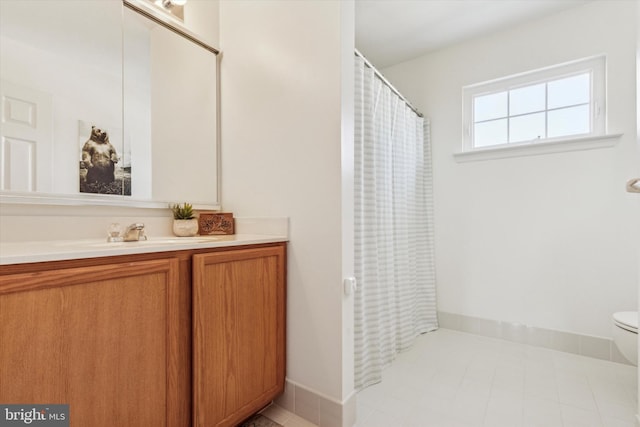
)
(317, 408)
(569, 342)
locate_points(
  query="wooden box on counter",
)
(210, 223)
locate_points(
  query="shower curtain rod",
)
(386, 82)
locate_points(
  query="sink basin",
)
(152, 242)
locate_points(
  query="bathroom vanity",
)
(165, 332)
(161, 335)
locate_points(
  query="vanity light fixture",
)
(173, 7)
(168, 4)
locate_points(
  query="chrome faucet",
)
(134, 233)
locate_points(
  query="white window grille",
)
(547, 105)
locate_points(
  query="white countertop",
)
(56, 250)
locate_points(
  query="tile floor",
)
(455, 379)
(284, 417)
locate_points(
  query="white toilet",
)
(625, 334)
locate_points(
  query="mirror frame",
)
(156, 15)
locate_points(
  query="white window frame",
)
(595, 66)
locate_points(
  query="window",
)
(552, 104)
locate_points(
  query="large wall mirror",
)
(106, 102)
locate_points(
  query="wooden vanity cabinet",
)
(100, 338)
(113, 337)
(239, 333)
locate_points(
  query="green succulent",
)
(182, 212)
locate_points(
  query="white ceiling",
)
(393, 31)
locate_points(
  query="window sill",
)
(534, 149)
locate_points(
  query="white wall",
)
(202, 17)
(348, 38)
(546, 240)
(281, 149)
(638, 157)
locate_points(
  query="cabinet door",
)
(239, 333)
(101, 339)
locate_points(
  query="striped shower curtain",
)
(394, 251)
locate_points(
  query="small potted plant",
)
(185, 224)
